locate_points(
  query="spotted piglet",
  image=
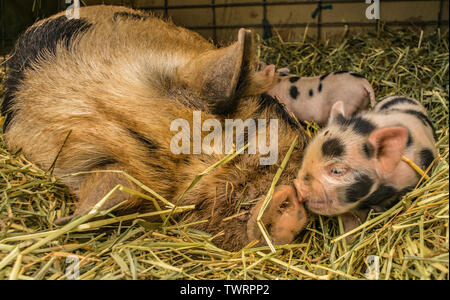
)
(311, 98)
(355, 164)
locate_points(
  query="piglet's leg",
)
(94, 187)
(351, 220)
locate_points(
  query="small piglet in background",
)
(355, 164)
(311, 98)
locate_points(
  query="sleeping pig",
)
(355, 164)
(102, 93)
(311, 98)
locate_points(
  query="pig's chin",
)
(326, 208)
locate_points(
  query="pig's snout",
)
(300, 189)
(284, 218)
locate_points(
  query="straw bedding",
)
(410, 240)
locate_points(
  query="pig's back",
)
(99, 78)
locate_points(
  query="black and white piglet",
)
(355, 164)
(311, 98)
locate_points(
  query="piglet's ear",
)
(269, 71)
(389, 144)
(215, 73)
(337, 111)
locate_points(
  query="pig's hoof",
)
(284, 218)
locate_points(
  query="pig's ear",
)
(215, 74)
(260, 82)
(269, 70)
(337, 111)
(389, 144)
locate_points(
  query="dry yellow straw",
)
(415, 167)
(269, 196)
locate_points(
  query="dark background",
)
(219, 20)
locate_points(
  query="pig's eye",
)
(338, 171)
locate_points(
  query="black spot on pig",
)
(382, 195)
(340, 120)
(30, 46)
(410, 140)
(368, 150)
(362, 126)
(333, 148)
(359, 189)
(357, 75)
(323, 76)
(422, 117)
(284, 74)
(406, 190)
(397, 100)
(320, 87)
(359, 125)
(426, 158)
(268, 102)
(311, 93)
(294, 92)
(340, 72)
(294, 79)
(128, 15)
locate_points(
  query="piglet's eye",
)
(338, 171)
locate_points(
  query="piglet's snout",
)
(300, 190)
(284, 218)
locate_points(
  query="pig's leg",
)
(94, 187)
(283, 71)
(351, 220)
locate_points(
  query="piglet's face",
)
(331, 168)
(345, 162)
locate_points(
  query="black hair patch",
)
(333, 148)
(311, 93)
(341, 120)
(421, 116)
(360, 125)
(357, 75)
(293, 91)
(323, 76)
(383, 194)
(128, 15)
(268, 102)
(407, 189)
(410, 140)
(103, 162)
(149, 144)
(368, 150)
(320, 87)
(397, 100)
(46, 36)
(340, 72)
(359, 189)
(294, 79)
(426, 158)
(30, 46)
